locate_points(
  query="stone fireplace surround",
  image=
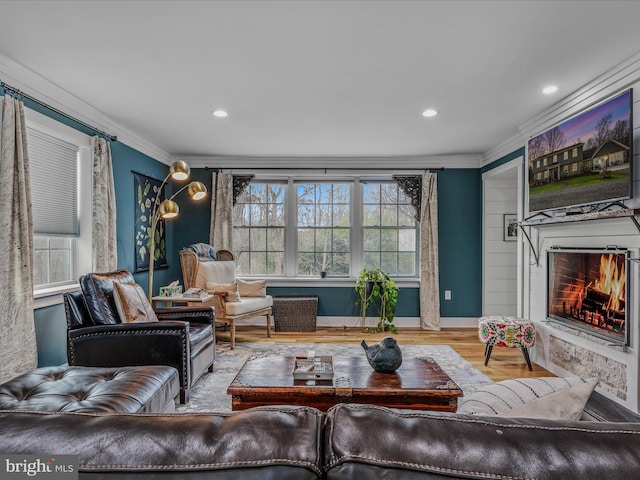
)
(566, 351)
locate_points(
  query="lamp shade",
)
(168, 209)
(179, 170)
(197, 190)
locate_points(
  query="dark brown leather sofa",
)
(349, 442)
(184, 338)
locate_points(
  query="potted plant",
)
(373, 284)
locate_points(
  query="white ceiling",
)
(317, 78)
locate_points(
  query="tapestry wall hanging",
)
(145, 192)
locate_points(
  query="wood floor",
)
(505, 363)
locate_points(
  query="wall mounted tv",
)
(586, 160)
(588, 290)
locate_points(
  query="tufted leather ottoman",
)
(149, 389)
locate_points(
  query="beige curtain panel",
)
(18, 351)
(104, 240)
(221, 228)
(429, 272)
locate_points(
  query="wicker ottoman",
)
(511, 332)
(295, 313)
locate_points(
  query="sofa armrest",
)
(187, 314)
(132, 344)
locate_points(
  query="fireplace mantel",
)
(541, 220)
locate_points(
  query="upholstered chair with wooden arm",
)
(97, 336)
(234, 299)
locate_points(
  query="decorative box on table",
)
(313, 368)
(171, 291)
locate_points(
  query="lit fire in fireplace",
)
(588, 289)
(601, 301)
(611, 281)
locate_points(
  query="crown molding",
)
(44, 90)
(608, 84)
(419, 162)
(505, 148)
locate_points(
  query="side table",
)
(169, 301)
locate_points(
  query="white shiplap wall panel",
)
(500, 193)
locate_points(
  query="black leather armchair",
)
(183, 338)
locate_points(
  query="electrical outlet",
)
(447, 294)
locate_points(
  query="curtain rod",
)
(217, 169)
(15, 91)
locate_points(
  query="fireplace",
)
(587, 290)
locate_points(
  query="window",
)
(60, 169)
(544, 162)
(258, 234)
(574, 166)
(565, 169)
(389, 229)
(300, 228)
(574, 152)
(323, 228)
(565, 156)
(546, 174)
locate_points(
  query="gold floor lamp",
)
(168, 209)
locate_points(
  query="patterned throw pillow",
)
(132, 303)
(230, 290)
(551, 398)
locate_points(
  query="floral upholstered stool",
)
(512, 332)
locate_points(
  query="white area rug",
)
(209, 393)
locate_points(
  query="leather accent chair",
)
(183, 338)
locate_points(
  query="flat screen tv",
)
(588, 290)
(585, 160)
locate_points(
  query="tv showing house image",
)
(585, 160)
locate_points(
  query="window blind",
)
(53, 165)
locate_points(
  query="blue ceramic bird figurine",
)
(385, 356)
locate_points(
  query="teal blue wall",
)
(51, 335)
(127, 160)
(460, 250)
(341, 301)
(192, 225)
(460, 241)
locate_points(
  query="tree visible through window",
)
(389, 229)
(258, 234)
(303, 227)
(323, 229)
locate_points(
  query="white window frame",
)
(81, 245)
(357, 241)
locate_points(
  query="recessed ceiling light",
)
(220, 113)
(429, 112)
(549, 89)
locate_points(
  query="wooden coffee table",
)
(419, 383)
